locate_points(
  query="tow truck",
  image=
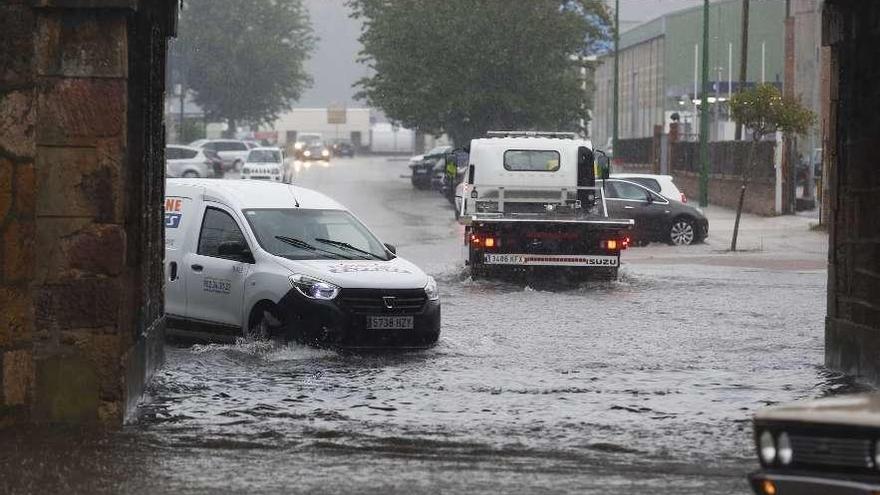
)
(530, 203)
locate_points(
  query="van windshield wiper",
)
(348, 246)
(299, 243)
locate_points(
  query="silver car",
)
(184, 161)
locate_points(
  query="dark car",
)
(657, 218)
(342, 148)
(316, 151)
(424, 170)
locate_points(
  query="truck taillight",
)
(489, 242)
(613, 244)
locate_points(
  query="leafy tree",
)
(763, 111)
(244, 59)
(467, 66)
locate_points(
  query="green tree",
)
(244, 59)
(764, 111)
(467, 66)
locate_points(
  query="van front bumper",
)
(343, 323)
(807, 483)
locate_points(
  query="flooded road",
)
(645, 384)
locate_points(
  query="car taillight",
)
(684, 199)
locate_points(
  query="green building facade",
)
(660, 61)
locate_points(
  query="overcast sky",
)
(334, 67)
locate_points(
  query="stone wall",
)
(852, 337)
(81, 85)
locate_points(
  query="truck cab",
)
(530, 202)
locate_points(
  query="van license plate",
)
(389, 322)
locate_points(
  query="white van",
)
(265, 259)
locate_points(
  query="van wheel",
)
(265, 322)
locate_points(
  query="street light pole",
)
(614, 135)
(704, 112)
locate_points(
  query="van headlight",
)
(297, 146)
(246, 170)
(307, 153)
(431, 289)
(325, 153)
(784, 452)
(275, 171)
(314, 288)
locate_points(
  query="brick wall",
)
(80, 195)
(726, 159)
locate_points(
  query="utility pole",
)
(616, 122)
(704, 112)
(743, 58)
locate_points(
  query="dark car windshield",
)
(315, 228)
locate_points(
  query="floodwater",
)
(644, 385)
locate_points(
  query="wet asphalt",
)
(644, 385)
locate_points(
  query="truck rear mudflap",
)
(582, 248)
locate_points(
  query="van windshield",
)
(303, 234)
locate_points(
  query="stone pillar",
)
(81, 179)
(852, 335)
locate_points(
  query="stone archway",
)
(81, 186)
(851, 28)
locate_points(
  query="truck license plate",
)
(550, 260)
(389, 322)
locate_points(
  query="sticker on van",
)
(216, 286)
(173, 207)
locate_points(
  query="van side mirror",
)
(470, 176)
(603, 164)
(235, 250)
(649, 197)
(391, 248)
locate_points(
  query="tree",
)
(763, 111)
(244, 59)
(466, 66)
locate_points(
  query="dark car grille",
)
(374, 302)
(832, 452)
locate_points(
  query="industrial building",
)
(660, 68)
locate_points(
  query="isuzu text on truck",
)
(531, 203)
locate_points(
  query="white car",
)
(232, 151)
(185, 161)
(262, 259)
(264, 164)
(661, 184)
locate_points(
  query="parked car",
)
(424, 174)
(258, 259)
(656, 218)
(342, 148)
(232, 151)
(185, 161)
(828, 446)
(662, 184)
(264, 164)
